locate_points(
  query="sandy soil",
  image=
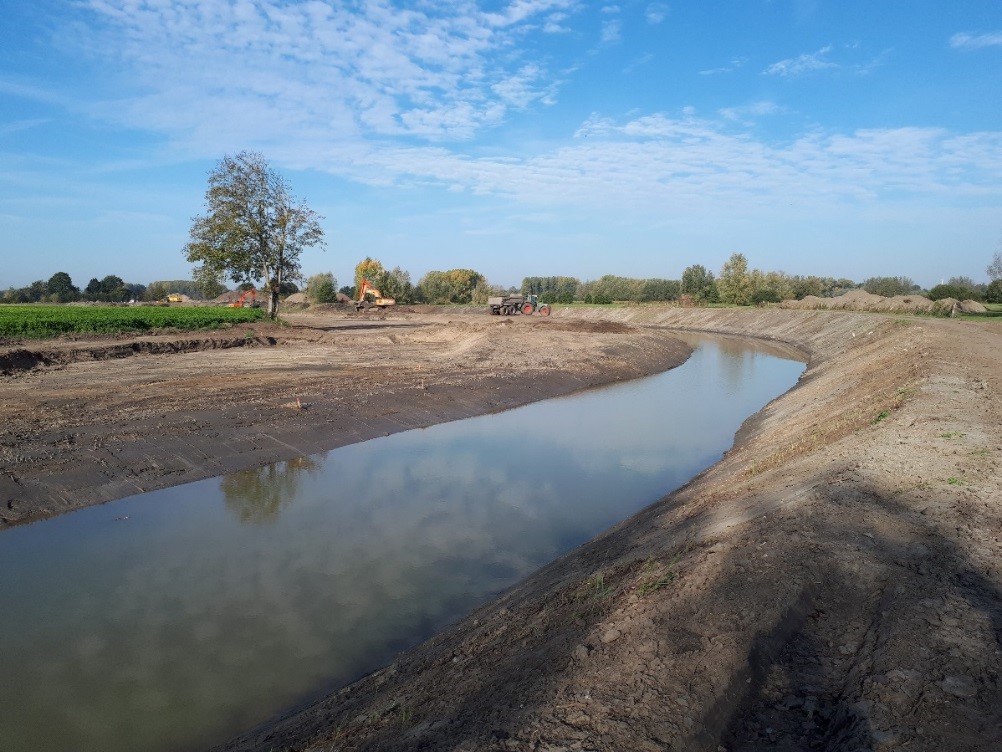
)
(833, 583)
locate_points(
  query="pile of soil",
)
(860, 300)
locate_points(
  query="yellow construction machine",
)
(370, 297)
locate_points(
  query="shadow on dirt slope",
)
(898, 645)
(848, 621)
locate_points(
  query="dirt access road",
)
(833, 583)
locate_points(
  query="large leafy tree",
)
(453, 286)
(552, 289)
(995, 268)
(321, 288)
(397, 284)
(699, 283)
(61, 288)
(890, 286)
(370, 269)
(735, 284)
(112, 289)
(254, 229)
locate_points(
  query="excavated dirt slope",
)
(833, 583)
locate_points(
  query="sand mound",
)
(972, 306)
(860, 300)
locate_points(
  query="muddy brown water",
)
(174, 619)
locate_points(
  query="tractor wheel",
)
(544, 310)
(528, 308)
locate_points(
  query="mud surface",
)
(833, 583)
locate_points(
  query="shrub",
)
(765, 295)
(954, 291)
(321, 288)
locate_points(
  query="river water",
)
(173, 619)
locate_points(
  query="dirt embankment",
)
(95, 419)
(833, 583)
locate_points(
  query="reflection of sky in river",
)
(217, 603)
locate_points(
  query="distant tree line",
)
(59, 288)
(735, 284)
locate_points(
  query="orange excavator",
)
(247, 299)
(370, 297)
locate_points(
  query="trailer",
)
(509, 305)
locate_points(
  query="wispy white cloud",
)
(16, 126)
(806, 63)
(34, 93)
(698, 165)
(611, 32)
(638, 62)
(516, 12)
(555, 24)
(967, 41)
(525, 87)
(735, 63)
(656, 13)
(386, 97)
(746, 114)
(435, 71)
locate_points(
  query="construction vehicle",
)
(370, 297)
(175, 297)
(509, 305)
(247, 299)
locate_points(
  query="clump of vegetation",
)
(993, 293)
(39, 322)
(594, 588)
(405, 716)
(654, 576)
(321, 288)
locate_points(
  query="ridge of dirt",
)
(833, 583)
(18, 359)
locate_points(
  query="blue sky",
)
(848, 138)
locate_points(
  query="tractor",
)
(509, 305)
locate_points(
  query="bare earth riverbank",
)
(833, 583)
(96, 419)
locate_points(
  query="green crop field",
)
(36, 322)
